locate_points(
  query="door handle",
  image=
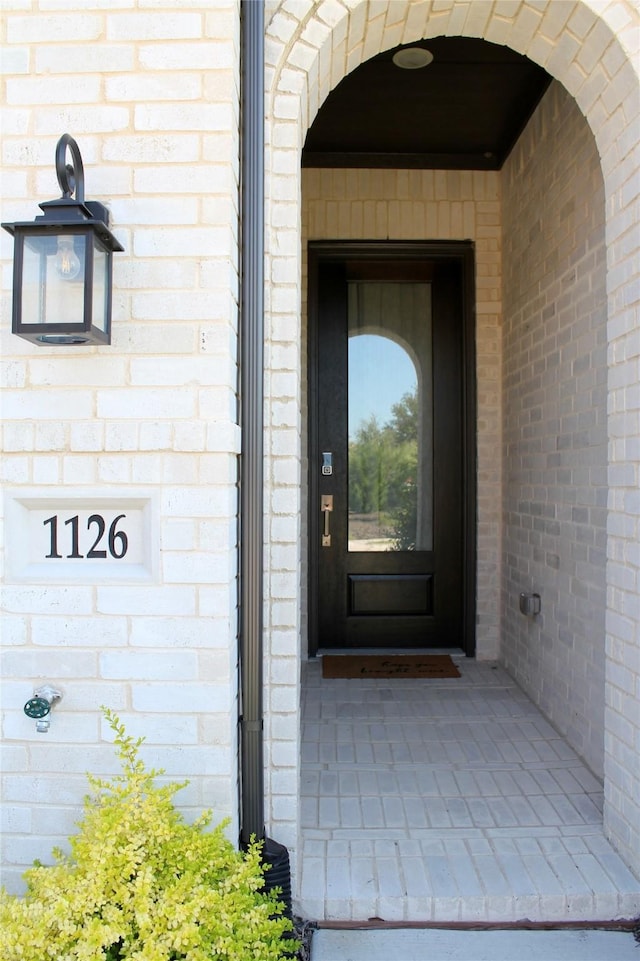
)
(326, 506)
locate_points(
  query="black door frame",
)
(462, 253)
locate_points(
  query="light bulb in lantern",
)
(67, 263)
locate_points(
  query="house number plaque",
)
(84, 538)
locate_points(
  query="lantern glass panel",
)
(53, 279)
(100, 291)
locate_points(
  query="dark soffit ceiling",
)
(465, 110)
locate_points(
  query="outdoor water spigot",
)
(39, 706)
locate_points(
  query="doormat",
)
(388, 665)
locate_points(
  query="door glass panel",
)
(390, 417)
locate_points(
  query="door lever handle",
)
(326, 506)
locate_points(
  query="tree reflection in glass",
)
(389, 417)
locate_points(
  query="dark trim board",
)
(461, 253)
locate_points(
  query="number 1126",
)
(116, 545)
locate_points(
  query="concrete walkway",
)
(447, 945)
(448, 800)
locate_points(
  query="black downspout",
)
(251, 419)
(277, 874)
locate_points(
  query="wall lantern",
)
(62, 264)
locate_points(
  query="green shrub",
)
(140, 884)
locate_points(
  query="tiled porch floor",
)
(448, 800)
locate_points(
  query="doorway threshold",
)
(448, 800)
(455, 652)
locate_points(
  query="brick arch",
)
(590, 51)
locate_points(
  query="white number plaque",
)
(80, 537)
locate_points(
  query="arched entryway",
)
(587, 55)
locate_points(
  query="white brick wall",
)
(150, 90)
(151, 95)
(555, 412)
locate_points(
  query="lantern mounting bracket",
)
(70, 176)
(71, 205)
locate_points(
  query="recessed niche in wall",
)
(65, 536)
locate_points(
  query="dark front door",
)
(389, 459)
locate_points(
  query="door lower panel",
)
(390, 594)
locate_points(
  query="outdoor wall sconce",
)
(62, 264)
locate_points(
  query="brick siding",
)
(555, 415)
(150, 90)
(151, 95)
